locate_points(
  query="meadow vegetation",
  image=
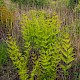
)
(40, 39)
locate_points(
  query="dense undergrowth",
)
(41, 45)
(45, 47)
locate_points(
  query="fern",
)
(40, 32)
(18, 60)
(66, 51)
(45, 46)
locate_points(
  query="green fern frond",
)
(66, 51)
(17, 58)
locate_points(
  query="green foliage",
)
(3, 53)
(17, 58)
(42, 2)
(45, 46)
(73, 3)
(77, 8)
(1, 3)
(40, 32)
(67, 56)
(37, 3)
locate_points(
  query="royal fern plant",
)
(67, 56)
(46, 47)
(41, 32)
(17, 58)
